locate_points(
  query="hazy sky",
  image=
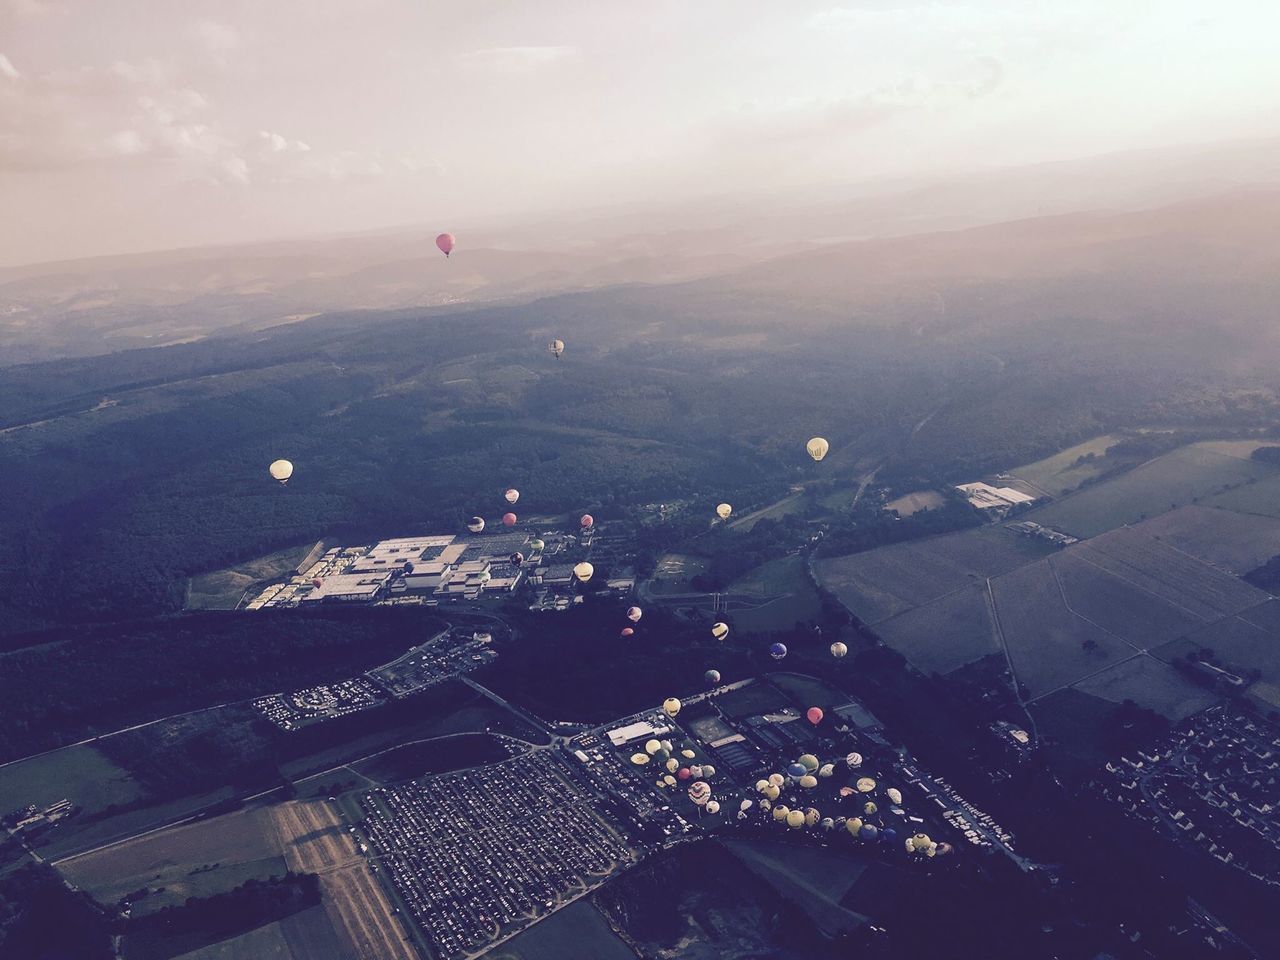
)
(144, 124)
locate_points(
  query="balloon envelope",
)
(723, 511)
(627, 631)
(634, 614)
(796, 770)
(587, 521)
(509, 519)
(838, 649)
(671, 706)
(808, 761)
(512, 495)
(720, 630)
(817, 448)
(711, 676)
(556, 347)
(445, 242)
(281, 470)
(778, 651)
(583, 571)
(814, 715)
(476, 524)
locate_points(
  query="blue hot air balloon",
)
(890, 835)
(797, 770)
(869, 832)
(778, 651)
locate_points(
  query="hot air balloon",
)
(910, 844)
(317, 583)
(827, 770)
(923, 842)
(587, 521)
(281, 470)
(713, 807)
(869, 808)
(814, 715)
(556, 347)
(639, 759)
(772, 792)
(476, 525)
(509, 519)
(485, 576)
(869, 832)
(720, 630)
(652, 746)
(517, 558)
(671, 706)
(696, 770)
(795, 819)
(777, 779)
(811, 816)
(708, 771)
(687, 754)
(761, 784)
(669, 780)
(828, 823)
(838, 650)
(626, 632)
(808, 781)
(894, 795)
(817, 448)
(723, 511)
(512, 495)
(866, 784)
(712, 677)
(673, 764)
(778, 651)
(684, 773)
(583, 571)
(853, 760)
(853, 825)
(634, 614)
(536, 545)
(796, 770)
(745, 805)
(944, 848)
(445, 243)
(808, 761)
(890, 835)
(847, 791)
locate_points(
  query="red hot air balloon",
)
(815, 715)
(685, 773)
(509, 519)
(627, 631)
(588, 521)
(445, 243)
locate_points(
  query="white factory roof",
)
(984, 496)
(348, 585)
(633, 731)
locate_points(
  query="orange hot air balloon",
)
(445, 242)
(509, 519)
(815, 715)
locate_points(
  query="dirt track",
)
(315, 841)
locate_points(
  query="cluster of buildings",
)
(429, 569)
(1029, 528)
(32, 817)
(450, 653)
(1213, 782)
(999, 500)
(478, 854)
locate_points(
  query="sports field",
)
(193, 860)
(1176, 479)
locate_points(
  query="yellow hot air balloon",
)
(910, 844)
(671, 706)
(853, 825)
(669, 780)
(760, 785)
(780, 812)
(894, 795)
(811, 816)
(713, 806)
(556, 347)
(673, 764)
(639, 759)
(772, 792)
(281, 470)
(932, 850)
(869, 808)
(765, 804)
(583, 571)
(777, 779)
(808, 761)
(817, 448)
(723, 511)
(720, 630)
(866, 785)
(795, 819)
(687, 754)
(651, 747)
(808, 781)
(922, 841)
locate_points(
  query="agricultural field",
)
(576, 931)
(945, 634)
(1149, 683)
(882, 583)
(1050, 647)
(1057, 474)
(815, 878)
(1188, 474)
(1259, 499)
(786, 580)
(910, 503)
(304, 936)
(1248, 641)
(222, 589)
(1226, 539)
(79, 773)
(193, 860)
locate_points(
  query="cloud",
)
(219, 39)
(7, 69)
(515, 59)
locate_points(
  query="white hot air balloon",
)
(512, 495)
(584, 571)
(723, 511)
(281, 470)
(817, 448)
(476, 525)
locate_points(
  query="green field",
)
(754, 698)
(193, 860)
(80, 774)
(304, 936)
(794, 502)
(910, 503)
(1248, 641)
(1149, 683)
(815, 878)
(1232, 541)
(1188, 474)
(808, 691)
(945, 634)
(785, 579)
(222, 589)
(1261, 498)
(576, 931)
(1057, 474)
